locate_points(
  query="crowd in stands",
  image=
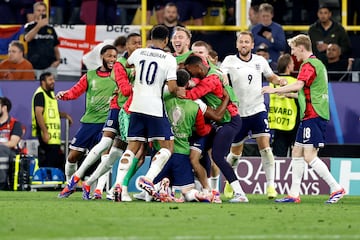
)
(265, 23)
(290, 12)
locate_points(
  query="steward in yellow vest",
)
(46, 125)
(282, 110)
(283, 113)
(51, 118)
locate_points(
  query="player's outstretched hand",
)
(283, 82)
(267, 89)
(60, 94)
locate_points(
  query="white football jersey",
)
(153, 67)
(246, 80)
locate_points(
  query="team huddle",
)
(192, 117)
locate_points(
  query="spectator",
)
(46, 125)
(269, 32)
(194, 10)
(336, 65)
(279, 8)
(43, 51)
(16, 67)
(253, 15)
(230, 18)
(284, 123)
(263, 50)
(158, 6)
(92, 59)
(325, 31)
(10, 134)
(171, 20)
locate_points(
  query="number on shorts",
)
(266, 123)
(307, 133)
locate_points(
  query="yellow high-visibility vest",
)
(282, 110)
(51, 117)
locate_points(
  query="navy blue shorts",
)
(198, 143)
(112, 122)
(190, 9)
(88, 135)
(179, 170)
(253, 127)
(312, 132)
(144, 127)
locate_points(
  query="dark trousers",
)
(51, 156)
(221, 146)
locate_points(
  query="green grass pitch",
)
(41, 215)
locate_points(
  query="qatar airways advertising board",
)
(253, 181)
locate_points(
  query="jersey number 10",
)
(148, 71)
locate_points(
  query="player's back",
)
(153, 67)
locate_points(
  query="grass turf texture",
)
(41, 215)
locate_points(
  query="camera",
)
(43, 16)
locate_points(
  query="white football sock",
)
(298, 168)
(214, 182)
(237, 187)
(268, 162)
(190, 195)
(104, 178)
(198, 185)
(322, 170)
(105, 165)
(233, 160)
(124, 165)
(94, 155)
(125, 190)
(70, 169)
(160, 159)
